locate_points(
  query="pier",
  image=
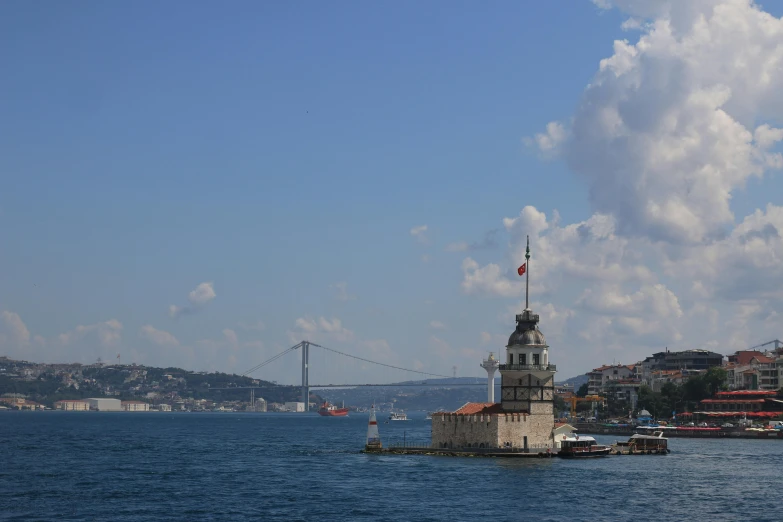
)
(514, 453)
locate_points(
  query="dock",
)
(514, 453)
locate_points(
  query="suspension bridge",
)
(304, 348)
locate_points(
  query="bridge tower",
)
(306, 375)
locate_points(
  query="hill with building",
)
(23, 382)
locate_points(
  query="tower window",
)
(536, 358)
(511, 358)
(522, 359)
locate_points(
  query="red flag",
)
(521, 269)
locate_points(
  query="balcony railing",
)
(533, 367)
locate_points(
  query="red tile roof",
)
(731, 401)
(743, 393)
(744, 357)
(476, 408)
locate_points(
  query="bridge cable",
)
(271, 359)
(380, 363)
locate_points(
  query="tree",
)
(582, 391)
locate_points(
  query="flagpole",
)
(527, 275)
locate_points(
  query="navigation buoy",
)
(373, 437)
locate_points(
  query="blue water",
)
(237, 467)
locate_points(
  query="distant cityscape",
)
(659, 383)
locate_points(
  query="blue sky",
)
(275, 151)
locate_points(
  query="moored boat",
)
(398, 416)
(640, 444)
(330, 410)
(582, 446)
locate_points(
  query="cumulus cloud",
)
(548, 142)
(665, 130)
(488, 280)
(198, 298)
(313, 329)
(159, 337)
(670, 127)
(341, 291)
(488, 242)
(14, 330)
(108, 333)
(257, 325)
(420, 233)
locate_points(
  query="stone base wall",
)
(492, 431)
(459, 431)
(542, 408)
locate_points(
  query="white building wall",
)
(105, 404)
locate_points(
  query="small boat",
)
(398, 416)
(640, 444)
(582, 446)
(429, 416)
(330, 410)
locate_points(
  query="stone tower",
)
(527, 380)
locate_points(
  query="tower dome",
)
(527, 332)
(527, 337)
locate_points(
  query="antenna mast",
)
(527, 275)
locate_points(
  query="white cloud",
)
(230, 336)
(341, 291)
(257, 326)
(17, 332)
(420, 233)
(664, 133)
(314, 329)
(549, 141)
(488, 280)
(441, 348)
(437, 325)
(108, 333)
(489, 242)
(670, 127)
(198, 298)
(159, 337)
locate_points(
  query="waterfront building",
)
(72, 405)
(623, 391)
(743, 403)
(601, 376)
(105, 404)
(660, 377)
(298, 407)
(164, 407)
(135, 406)
(524, 418)
(260, 405)
(752, 370)
(684, 360)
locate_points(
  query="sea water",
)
(267, 466)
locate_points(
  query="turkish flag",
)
(521, 269)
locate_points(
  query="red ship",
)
(330, 410)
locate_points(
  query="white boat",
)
(398, 416)
(581, 446)
(428, 417)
